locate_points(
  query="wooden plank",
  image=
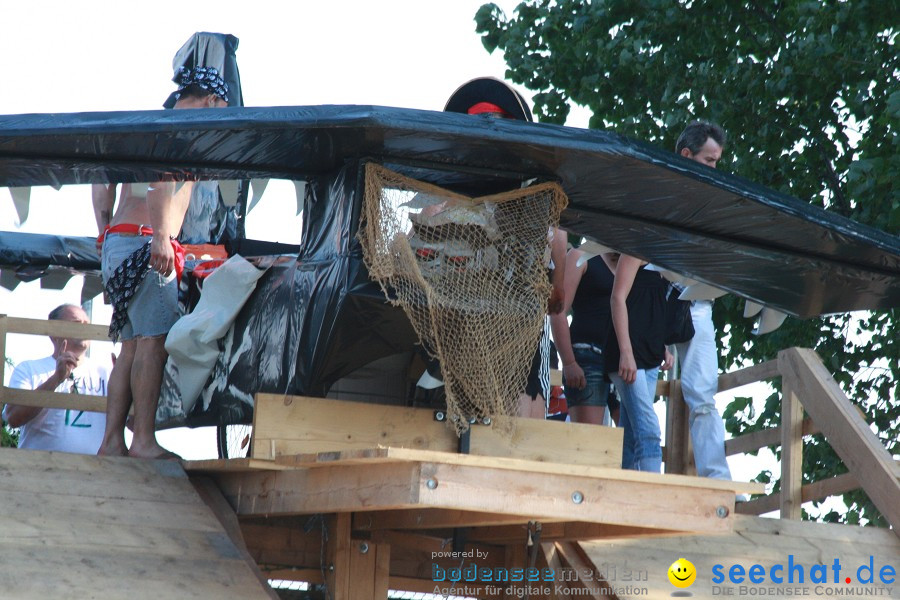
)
(216, 465)
(750, 442)
(833, 486)
(54, 399)
(580, 565)
(747, 375)
(562, 531)
(677, 431)
(430, 518)
(387, 455)
(307, 425)
(566, 497)
(790, 497)
(846, 431)
(63, 329)
(338, 576)
(213, 498)
(370, 565)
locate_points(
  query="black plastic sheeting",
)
(636, 198)
(317, 318)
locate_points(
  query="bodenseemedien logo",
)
(682, 574)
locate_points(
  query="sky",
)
(95, 55)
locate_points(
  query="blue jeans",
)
(641, 447)
(596, 389)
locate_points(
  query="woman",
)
(580, 345)
(634, 352)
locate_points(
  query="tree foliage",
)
(808, 92)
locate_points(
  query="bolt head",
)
(721, 512)
(431, 484)
(363, 548)
(577, 497)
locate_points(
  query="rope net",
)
(471, 275)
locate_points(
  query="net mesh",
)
(471, 275)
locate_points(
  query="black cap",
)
(494, 91)
(208, 60)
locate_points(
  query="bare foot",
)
(112, 450)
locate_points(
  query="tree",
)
(808, 91)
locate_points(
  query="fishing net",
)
(471, 275)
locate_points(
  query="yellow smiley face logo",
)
(682, 573)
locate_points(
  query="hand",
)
(162, 256)
(627, 368)
(573, 375)
(556, 301)
(669, 361)
(65, 363)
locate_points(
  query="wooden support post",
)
(370, 566)
(337, 556)
(3, 327)
(846, 431)
(678, 450)
(791, 448)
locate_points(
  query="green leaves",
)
(810, 97)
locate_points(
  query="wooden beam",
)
(225, 514)
(338, 547)
(561, 531)
(46, 399)
(677, 431)
(629, 498)
(747, 375)
(763, 438)
(579, 565)
(299, 425)
(833, 486)
(846, 431)
(430, 518)
(65, 329)
(791, 500)
(370, 565)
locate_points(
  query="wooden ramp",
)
(637, 568)
(111, 528)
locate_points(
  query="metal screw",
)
(439, 415)
(363, 548)
(577, 497)
(721, 512)
(486, 420)
(331, 567)
(431, 484)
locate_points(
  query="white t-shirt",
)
(59, 429)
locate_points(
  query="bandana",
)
(205, 77)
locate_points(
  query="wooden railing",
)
(806, 386)
(811, 402)
(64, 329)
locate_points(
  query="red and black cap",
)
(486, 94)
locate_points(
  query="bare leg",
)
(146, 380)
(118, 403)
(532, 408)
(587, 414)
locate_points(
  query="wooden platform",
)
(111, 528)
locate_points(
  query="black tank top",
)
(646, 323)
(590, 306)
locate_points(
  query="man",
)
(140, 277)
(67, 369)
(703, 142)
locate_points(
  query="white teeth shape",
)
(701, 291)
(769, 320)
(21, 197)
(257, 188)
(751, 309)
(229, 190)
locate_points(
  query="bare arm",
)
(558, 256)
(17, 415)
(626, 270)
(167, 209)
(572, 371)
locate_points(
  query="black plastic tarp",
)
(639, 199)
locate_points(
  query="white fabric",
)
(699, 383)
(57, 429)
(192, 342)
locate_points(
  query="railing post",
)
(678, 450)
(791, 444)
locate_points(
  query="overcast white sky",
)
(96, 55)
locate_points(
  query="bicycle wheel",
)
(233, 441)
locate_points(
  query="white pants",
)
(699, 383)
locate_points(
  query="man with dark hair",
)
(703, 142)
(142, 261)
(67, 369)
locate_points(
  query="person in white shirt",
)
(66, 370)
